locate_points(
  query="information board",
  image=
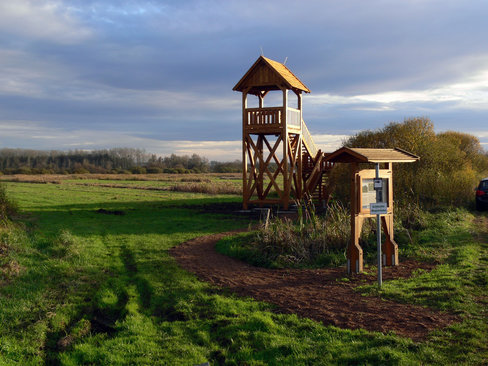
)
(368, 193)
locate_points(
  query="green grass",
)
(459, 283)
(102, 289)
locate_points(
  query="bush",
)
(176, 171)
(153, 170)
(23, 170)
(138, 170)
(7, 206)
(9, 171)
(79, 170)
(41, 171)
(123, 171)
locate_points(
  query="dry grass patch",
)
(161, 177)
(209, 188)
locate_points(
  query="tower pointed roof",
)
(266, 74)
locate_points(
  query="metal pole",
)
(378, 229)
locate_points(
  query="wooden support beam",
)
(245, 193)
(284, 133)
(260, 161)
(299, 177)
(389, 247)
(252, 160)
(354, 250)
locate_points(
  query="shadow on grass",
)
(149, 217)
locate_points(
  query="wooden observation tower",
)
(280, 160)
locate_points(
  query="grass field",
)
(85, 286)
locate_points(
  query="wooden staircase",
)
(315, 169)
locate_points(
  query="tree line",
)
(116, 160)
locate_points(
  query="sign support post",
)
(379, 188)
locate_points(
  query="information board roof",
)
(365, 155)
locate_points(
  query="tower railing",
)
(264, 116)
(293, 117)
(272, 116)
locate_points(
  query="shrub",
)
(312, 240)
(9, 171)
(138, 170)
(153, 170)
(7, 206)
(79, 170)
(23, 170)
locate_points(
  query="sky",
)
(158, 75)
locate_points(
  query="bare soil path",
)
(319, 294)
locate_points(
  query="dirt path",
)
(316, 294)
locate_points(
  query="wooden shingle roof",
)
(364, 155)
(266, 74)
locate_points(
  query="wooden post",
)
(260, 161)
(354, 251)
(284, 132)
(299, 168)
(245, 195)
(299, 147)
(389, 247)
(299, 96)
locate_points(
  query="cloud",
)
(39, 136)
(470, 93)
(41, 20)
(147, 71)
(327, 142)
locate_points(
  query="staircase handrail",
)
(307, 139)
